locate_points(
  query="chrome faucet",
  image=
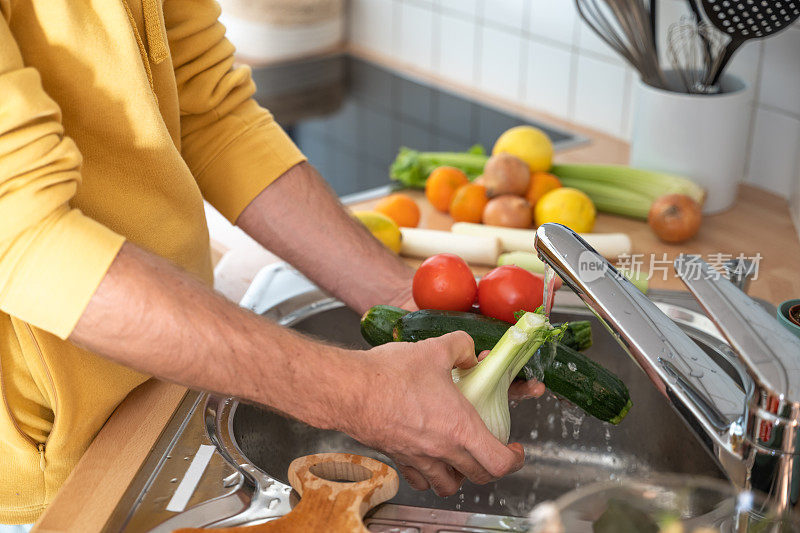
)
(747, 414)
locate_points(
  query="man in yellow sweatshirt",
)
(117, 117)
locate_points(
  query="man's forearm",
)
(299, 218)
(149, 315)
(399, 397)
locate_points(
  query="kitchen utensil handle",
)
(654, 25)
(723, 62)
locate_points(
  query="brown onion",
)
(509, 211)
(505, 174)
(675, 218)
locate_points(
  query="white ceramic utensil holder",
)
(700, 136)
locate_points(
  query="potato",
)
(505, 174)
(509, 211)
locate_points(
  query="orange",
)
(442, 185)
(468, 203)
(401, 208)
(541, 184)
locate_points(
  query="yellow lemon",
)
(382, 228)
(530, 144)
(567, 206)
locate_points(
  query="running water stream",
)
(549, 290)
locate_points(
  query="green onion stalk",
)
(486, 384)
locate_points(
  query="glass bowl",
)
(661, 504)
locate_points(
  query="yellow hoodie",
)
(116, 118)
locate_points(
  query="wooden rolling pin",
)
(328, 504)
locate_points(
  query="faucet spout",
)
(709, 400)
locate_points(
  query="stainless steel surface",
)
(740, 272)
(744, 414)
(772, 357)
(625, 25)
(564, 448)
(245, 481)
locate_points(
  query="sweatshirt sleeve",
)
(233, 146)
(52, 257)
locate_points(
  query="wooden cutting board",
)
(336, 490)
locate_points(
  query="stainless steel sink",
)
(563, 448)
(244, 480)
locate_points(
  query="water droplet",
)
(696, 373)
(173, 480)
(534, 434)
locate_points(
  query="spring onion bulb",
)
(486, 384)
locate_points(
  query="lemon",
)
(530, 144)
(382, 228)
(567, 206)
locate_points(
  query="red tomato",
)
(508, 289)
(444, 281)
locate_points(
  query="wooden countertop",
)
(759, 223)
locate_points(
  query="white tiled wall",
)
(541, 54)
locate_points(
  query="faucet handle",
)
(740, 271)
(770, 353)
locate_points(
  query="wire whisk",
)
(628, 27)
(695, 50)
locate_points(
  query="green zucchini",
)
(577, 335)
(585, 383)
(428, 323)
(485, 331)
(570, 374)
(377, 323)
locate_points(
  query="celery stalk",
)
(624, 190)
(412, 168)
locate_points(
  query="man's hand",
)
(412, 411)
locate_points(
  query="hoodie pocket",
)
(39, 447)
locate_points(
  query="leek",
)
(530, 261)
(486, 384)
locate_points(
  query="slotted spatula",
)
(743, 20)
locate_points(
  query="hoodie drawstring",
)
(153, 34)
(153, 30)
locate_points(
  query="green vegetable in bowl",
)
(622, 517)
